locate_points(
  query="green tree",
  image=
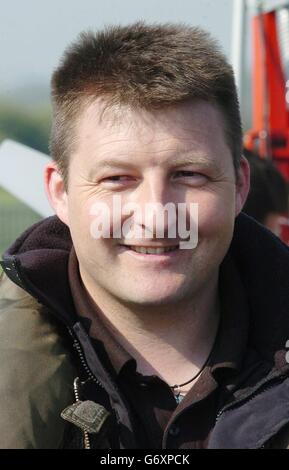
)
(30, 127)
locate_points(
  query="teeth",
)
(152, 251)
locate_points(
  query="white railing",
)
(21, 174)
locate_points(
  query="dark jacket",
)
(44, 347)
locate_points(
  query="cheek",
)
(216, 214)
(79, 224)
(90, 220)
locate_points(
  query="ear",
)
(242, 185)
(55, 191)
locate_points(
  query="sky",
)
(34, 33)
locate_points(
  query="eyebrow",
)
(191, 159)
(176, 161)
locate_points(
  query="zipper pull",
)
(87, 415)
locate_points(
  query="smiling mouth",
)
(150, 250)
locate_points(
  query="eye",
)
(190, 177)
(117, 180)
(186, 173)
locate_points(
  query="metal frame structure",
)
(270, 5)
(269, 136)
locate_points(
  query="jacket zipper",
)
(77, 383)
(249, 398)
(76, 387)
(78, 348)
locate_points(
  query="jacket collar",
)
(37, 261)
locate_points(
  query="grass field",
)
(15, 217)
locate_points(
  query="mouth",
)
(153, 251)
(150, 250)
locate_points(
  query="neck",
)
(172, 341)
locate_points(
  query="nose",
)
(154, 189)
(157, 211)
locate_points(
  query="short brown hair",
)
(143, 66)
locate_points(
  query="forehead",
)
(159, 135)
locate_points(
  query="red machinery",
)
(269, 136)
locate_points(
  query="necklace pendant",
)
(179, 398)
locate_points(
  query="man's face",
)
(176, 155)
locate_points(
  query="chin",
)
(155, 297)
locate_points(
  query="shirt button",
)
(174, 431)
(144, 387)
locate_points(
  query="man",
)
(268, 199)
(129, 339)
